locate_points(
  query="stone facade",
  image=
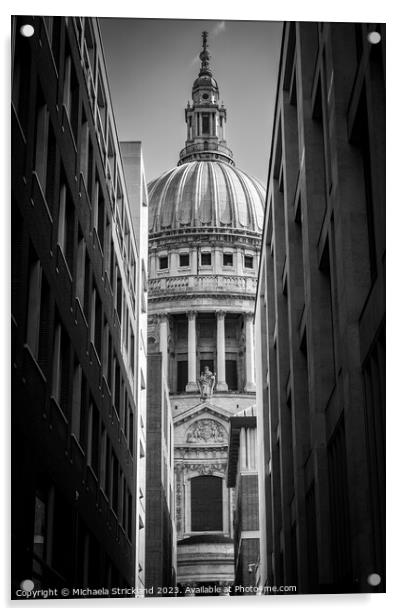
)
(320, 315)
(243, 478)
(160, 549)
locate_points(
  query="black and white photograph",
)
(198, 341)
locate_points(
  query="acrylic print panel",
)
(198, 308)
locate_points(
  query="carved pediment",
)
(201, 410)
(206, 431)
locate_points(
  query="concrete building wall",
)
(243, 479)
(131, 152)
(320, 315)
(160, 533)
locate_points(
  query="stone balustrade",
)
(208, 282)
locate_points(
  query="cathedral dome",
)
(206, 194)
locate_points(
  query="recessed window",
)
(228, 259)
(163, 262)
(184, 260)
(249, 262)
(206, 258)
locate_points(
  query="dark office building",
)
(75, 319)
(320, 315)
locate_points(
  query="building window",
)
(71, 95)
(227, 260)
(96, 324)
(83, 413)
(119, 294)
(40, 524)
(205, 124)
(115, 483)
(77, 400)
(45, 150)
(116, 391)
(34, 296)
(184, 260)
(84, 149)
(102, 105)
(132, 349)
(41, 138)
(61, 364)
(206, 504)
(42, 531)
(93, 445)
(163, 262)
(182, 375)
(248, 262)
(206, 258)
(129, 521)
(89, 46)
(231, 374)
(66, 225)
(99, 212)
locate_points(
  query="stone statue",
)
(206, 383)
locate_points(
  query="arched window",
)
(206, 504)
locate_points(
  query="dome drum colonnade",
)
(221, 385)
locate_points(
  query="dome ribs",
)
(155, 199)
(206, 194)
(225, 216)
(183, 202)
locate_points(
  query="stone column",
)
(191, 353)
(250, 371)
(220, 351)
(163, 342)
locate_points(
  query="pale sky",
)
(152, 64)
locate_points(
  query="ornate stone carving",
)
(207, 431)
(206, 469)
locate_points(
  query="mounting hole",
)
(27, 30)
(374, 579)
(27, 585)
(374, 38)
